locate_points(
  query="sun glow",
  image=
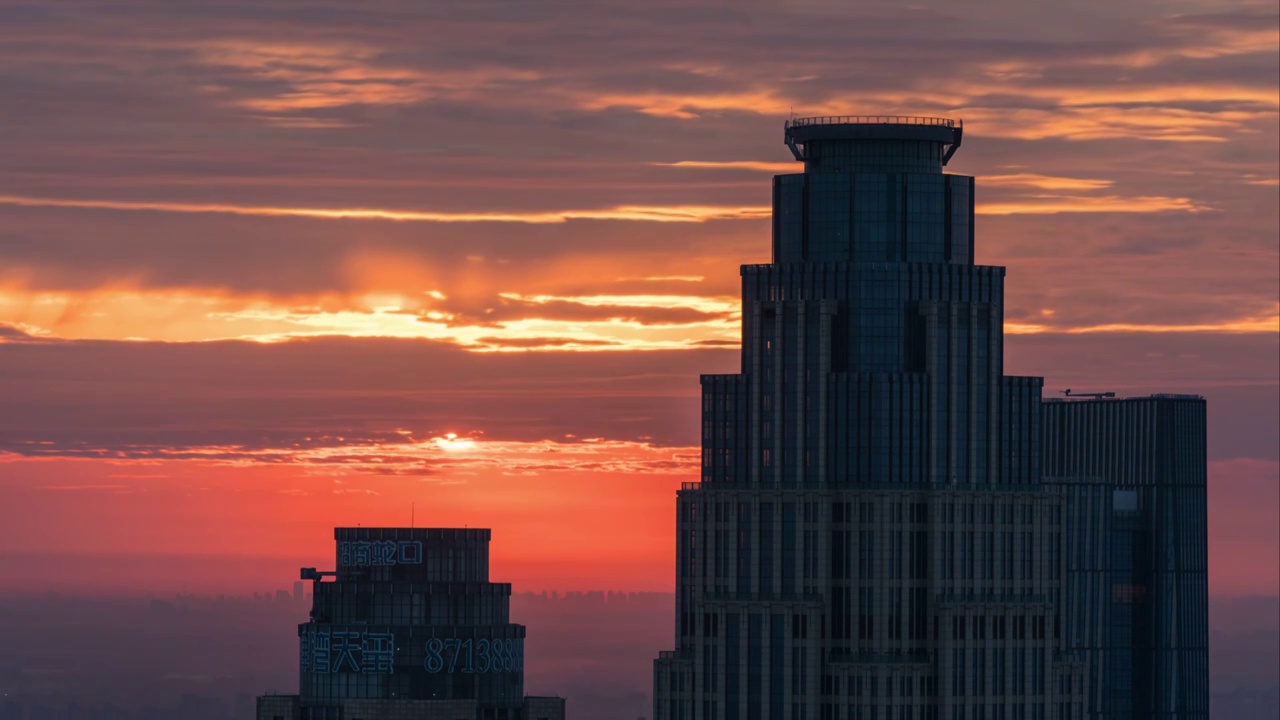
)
(451, 443)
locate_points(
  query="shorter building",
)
(408, 627)
(1133, 472)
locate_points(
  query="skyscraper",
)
(410, 627)
(870, 538)
(1134, 471)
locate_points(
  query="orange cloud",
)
(1149, 111)
(636, 213)
(769, 167)
(66, 488)
(761, 101)
(703, 304)
(668, 278)
(1201, 44)
(1078, 119)
(323, 76)
(448, 455)
(1251, 324)
(647, 213)
(687, 107)
(1054, 204)
(1044, 182)
(192, 316)
(537, 323)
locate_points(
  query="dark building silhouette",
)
(409, 626)
(872, 538)
(1134, 470)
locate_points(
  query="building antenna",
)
(412, 508)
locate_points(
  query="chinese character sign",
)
(319, 646)
(377, 653)
(304, 643)
(334, 651)
(345, 646)
(379, 553)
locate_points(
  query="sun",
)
(450, 442)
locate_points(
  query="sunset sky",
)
(271, 267)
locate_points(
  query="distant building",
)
(410, 627)
(1134, 473)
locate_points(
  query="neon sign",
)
(474, 656)
(373, 653)
(325, 651)
(379, 553)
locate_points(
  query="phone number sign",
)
(474, 655)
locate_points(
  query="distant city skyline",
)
(1245, 661)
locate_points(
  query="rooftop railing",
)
(875, 120)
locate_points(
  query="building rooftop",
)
(1093, 398)
(874, 120)
(801, 133)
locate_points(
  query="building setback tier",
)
(873, 536)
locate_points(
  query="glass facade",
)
(1138, 554)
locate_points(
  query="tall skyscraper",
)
(870, 539)
(1134, 472)
(410, 627)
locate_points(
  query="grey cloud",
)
(265, 402)
(151, 399)
(113, 100)
(1100, 269)
(1244, 16)
(9, 333)
(1235, 373)
(298, 256)
(496, 310)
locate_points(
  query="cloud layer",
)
(455, 241)
(244, 156)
